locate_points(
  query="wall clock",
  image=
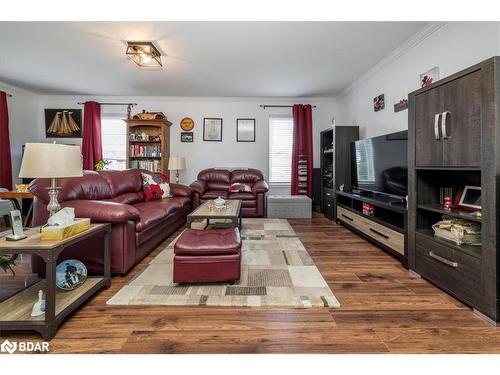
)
(187, 124)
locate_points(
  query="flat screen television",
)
(380, 164)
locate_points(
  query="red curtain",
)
(302, 151)
(91, 142)
(5, 163)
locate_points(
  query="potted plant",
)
(101, 164)
(6, 263)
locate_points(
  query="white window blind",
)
(280, 150)
(114, 141)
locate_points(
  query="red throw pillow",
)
(155, 186)
(234, 188)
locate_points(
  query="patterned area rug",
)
(276, 270)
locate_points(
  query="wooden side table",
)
(13, 196)
(15, 312)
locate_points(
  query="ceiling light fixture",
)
(144, 54)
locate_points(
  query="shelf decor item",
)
(459, 231)
(187, 124)
(245, 130)
(70, 274)
(212, 129)
(63, 123)
(51, 160)
(429, 77)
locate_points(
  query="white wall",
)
(200, 154)
(451, 46)
(23, 109)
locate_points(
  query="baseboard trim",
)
(486, 318)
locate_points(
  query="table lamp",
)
(51, 160)
(177, 163)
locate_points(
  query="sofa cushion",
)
(150, 214)
(208, 242)
(129, 198)
(242, 196)
(122, 182)
(246, 176)
(173, 203)
(213, 194)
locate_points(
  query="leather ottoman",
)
(212, 255)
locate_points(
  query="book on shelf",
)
(141, 150)
(149, 165)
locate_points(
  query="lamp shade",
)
(177, 163)
(51, 160)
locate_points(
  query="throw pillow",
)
(245, 188)
(234, 188)
(155, 186)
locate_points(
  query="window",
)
(280, 150)
(114, 141)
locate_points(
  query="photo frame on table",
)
(187, 137)
(212, 129)
(470, 197)
(245, 130)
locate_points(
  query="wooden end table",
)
(13, 196)
(207, 211)
(15, 312)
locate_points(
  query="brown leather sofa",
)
(115, 197)
(214, 182)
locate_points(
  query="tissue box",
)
(60, 232)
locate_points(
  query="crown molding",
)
(408, 45)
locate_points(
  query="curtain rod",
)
(278, 106)
(132, 104)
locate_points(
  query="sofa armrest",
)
(198, 186)
(179, 190)
(103, 211)
(260, 187)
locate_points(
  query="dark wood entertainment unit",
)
(453, 139)
(387, 227)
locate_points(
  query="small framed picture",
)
(471, 197)
(186, 136)
(212, 129)
(379, 103)
(245, 130)
(63, 123)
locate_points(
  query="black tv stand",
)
(387, 227)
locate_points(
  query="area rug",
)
(276, 270)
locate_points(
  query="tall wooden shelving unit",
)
(153, 128)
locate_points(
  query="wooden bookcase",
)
(151, 154)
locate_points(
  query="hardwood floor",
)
(384, 309)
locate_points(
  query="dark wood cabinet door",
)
(461, 122)
(428, 145)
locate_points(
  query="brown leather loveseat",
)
(215, 182)
(115, 197)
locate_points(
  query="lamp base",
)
(53, 205)
(177, 176)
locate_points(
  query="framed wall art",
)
(245, 130)
(379, 103)
(186, 136)
(187, 124)
(212, 129)
(63, 123)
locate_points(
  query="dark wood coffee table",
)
(207, 211)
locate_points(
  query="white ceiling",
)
(231, 59)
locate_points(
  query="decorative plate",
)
(187, 124)
(70, 274)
